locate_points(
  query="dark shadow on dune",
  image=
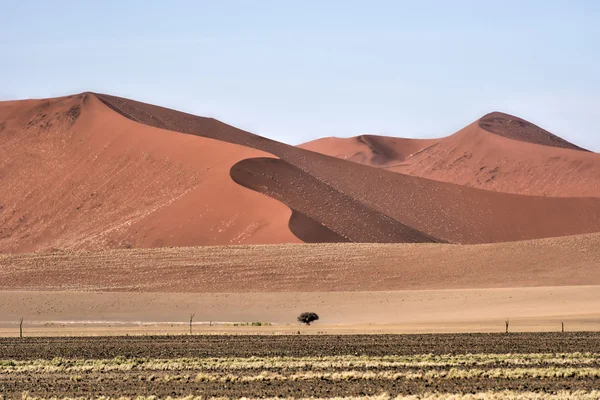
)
(381, 152)
(310, 231)
(516, 128)
(341, 215)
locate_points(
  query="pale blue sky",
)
(298, 70)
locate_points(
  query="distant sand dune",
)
(499, 152)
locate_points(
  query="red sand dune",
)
(95, 171)
(75, 174)
(498, 152)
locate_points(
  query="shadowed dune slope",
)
(499, 152)
(564, 261)
(325, 189)
(76, 175)
(307, 195)
(516, 128)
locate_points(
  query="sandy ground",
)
(469, 310)
(566, 261)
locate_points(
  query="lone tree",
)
(308, 317)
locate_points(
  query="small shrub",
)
(257, 323)
(308, 317)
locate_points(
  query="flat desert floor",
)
(460, 310)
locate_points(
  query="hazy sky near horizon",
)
(295, 71)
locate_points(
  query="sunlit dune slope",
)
(76, 175)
